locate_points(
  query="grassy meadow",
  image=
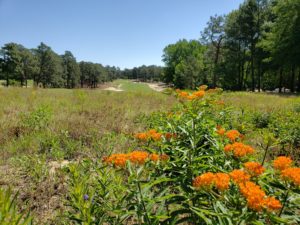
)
(52, 142)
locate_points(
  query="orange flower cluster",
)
(291, 174)
(239, 149)
(219, 102)
(220, 130)
(168, 135)
(282, 162)
(214, 90)
(288, 173)
(254, 168)
(272, 204)
(149, 135)
(135, 157)
(257, 199)
(222, 181)
(239, 176)
(255, 196)
(203, 87)
(192, 96)
(232, 135)
(219, 180)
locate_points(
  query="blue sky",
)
(124, 33)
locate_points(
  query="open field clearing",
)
(53, 141)
(43, 128)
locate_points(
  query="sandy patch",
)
(113, 88)
(157, 86)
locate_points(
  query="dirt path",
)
(114, 88)
(157, 86)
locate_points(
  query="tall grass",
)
(43, 130)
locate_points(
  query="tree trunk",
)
(298, 89)
(280, 79)
(243, 70)
(216, 63)
(259, 77)
(7, 80)
(239, 67)
(22, 80)
(292, 85)
(252, 67)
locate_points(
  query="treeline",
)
(48, 69)
(256, 47)
(144, 73)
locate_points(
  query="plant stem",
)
(143, 203)
(265, 155)
(285, 201)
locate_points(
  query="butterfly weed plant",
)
(191, 167)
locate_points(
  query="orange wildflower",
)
(203, 87)
(183, 94)
(222, 181)
(191, 97)
(282, 162)
(199, 94)
(151, 134)
(138, 157)
(156, 136)
(232, 135)
(220, 130)
(253, 194)
(154, 157)
(211, 90)
(239, 149)
(228, 148)
(205, 180)
(117, 159)
(272, 204)
(141, 136)
(239, 176)
(254, 168)
(257, 199)
(169, 135)
(291, 174)
(135, 157)
(220, 102)
(164, 157)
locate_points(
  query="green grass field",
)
(127, 85)
(41, 128)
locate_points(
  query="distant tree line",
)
(144, 73)
(256, 47)
(48, 69)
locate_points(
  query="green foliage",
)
(35, 166)
(95, 195)
(71, 70)
(9, 214)
(184, 62)
(37, 119)
(162, 192)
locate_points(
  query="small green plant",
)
(34, 165)
(9, 214)
(38, 119)
(262, 120)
